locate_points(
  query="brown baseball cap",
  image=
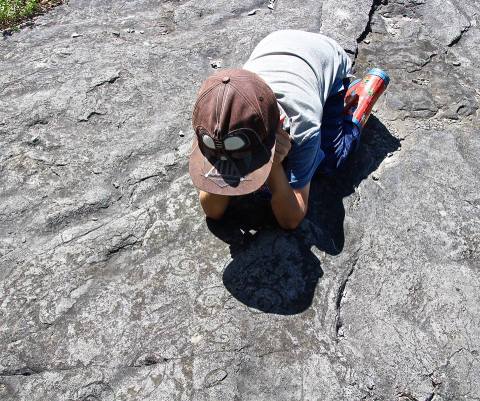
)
(235, 119)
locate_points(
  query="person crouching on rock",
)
(272, 124)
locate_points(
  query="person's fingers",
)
(350, 101)
(282, 146)
(282, 150)
(283, 134)
(283, 138)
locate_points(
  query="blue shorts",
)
(327, 152)
(339, 137)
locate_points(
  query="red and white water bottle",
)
(362, 95)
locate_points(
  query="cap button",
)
(226, 80)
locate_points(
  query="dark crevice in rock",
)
(341, 293)
(419, 67)
(25, 371)
(91, 114)
(459, 36)
(109, 80)
(37, 121)
(156, 175)
(83, 234)
(368, 27)
(149, 361)
(275, 351)
(125, 245)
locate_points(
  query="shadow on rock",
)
(271, 270)
(325, 208)
(275, 271)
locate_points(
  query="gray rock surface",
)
(113, 286)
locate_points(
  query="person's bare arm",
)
(213, 205)
(289, 205)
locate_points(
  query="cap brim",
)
(200, 169)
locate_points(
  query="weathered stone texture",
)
(113, 286)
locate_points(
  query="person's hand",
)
(350, 101)
(282, 146)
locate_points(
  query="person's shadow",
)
(273, 270)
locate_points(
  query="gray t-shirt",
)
(303, 69)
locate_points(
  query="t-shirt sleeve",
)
(302, 161)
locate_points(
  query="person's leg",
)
(339, 137)
(344, 116)
(213, 205)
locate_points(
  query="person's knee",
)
(213, 205)
(215, 213)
